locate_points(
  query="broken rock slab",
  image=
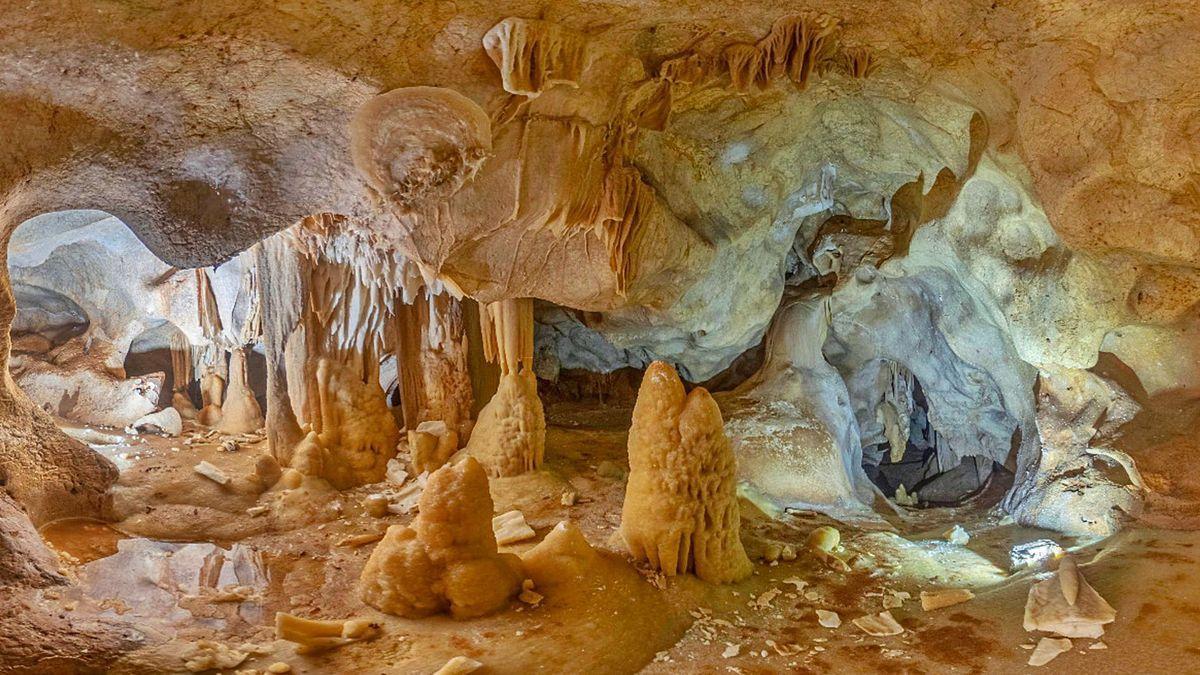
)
(1048, 649)
(1067, 605)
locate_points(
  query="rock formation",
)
(1067, 605)
(681, 511)
(509, 437)
(446, 561)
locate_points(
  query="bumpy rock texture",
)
(681, 511)
(446, 561)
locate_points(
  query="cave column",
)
(431, 358)
(510, 435)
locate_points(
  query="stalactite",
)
(535, 55)
(510, 435)
(344, 325)
(795, 47)
(859, 61)
(279, 292)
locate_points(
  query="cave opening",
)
(928, 472)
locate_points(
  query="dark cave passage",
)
(928, 469)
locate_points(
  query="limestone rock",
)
(1067, 605)
(1048, 649)
(446, 560)
(681, 511)
(166, 421)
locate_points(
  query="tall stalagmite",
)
(681, 509)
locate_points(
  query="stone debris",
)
(357, 540)
(895, 599)
(1067, 605)
(785, 650)
(208, 655)
(797, 582)
(1048, 649)
(459, 665)
(230, 593)
(569, 497)
(315, 635)
(279, 667)
(230, 445)
(528, 595)
(775, 551)
(731, 650)
(828, 619)
(611, 470)
(376, 505)
(879, 625)
(511, 528)
(166, 422)
(931, 600)
(395, 472)
(256, 511)
(957, 536)
(764, 600)
(405, 499)
(1097, 645)
(1034, 554)
(212, 473)
(822, 542)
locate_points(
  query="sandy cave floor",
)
(184, 537)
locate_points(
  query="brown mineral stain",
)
(956, 645)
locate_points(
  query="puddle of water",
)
(83, 539)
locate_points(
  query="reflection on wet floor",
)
(83, 539)
(171, 585)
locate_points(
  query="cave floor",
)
(187, 564)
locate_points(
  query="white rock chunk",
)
(511, 528)
(828, 619)
(879, 625)
(1048, 649)
(166, 421)
(931, 600)
(459, 665)
(212, 473)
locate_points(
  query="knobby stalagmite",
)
(510, 436)
(446, 561)
(681, 510)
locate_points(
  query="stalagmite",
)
(446, 560)
(510, 436)
(212, 388)
(430, 445)
(681, 511)
(333, 334)
(240, 413)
